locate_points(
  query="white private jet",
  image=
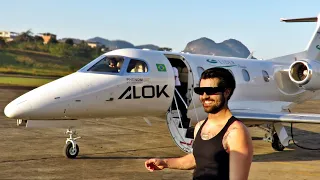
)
(133, 82)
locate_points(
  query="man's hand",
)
(155, 164)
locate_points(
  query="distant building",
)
(8, 36)
(47, 37)
(94, 44)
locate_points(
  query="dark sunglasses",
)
(208, 90)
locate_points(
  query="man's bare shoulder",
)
(237, 132)
(238, 127)
(238, 124)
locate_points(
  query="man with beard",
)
(222, 147)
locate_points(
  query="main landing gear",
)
(277, 136)
(71, 148)
(276, 144)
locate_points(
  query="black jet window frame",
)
(140, 60)
(123, 66)
(90, 64)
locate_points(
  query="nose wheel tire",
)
(276, 144)
(71, 148)
(69, 151)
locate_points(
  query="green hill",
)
(13, 61)
(23, 68)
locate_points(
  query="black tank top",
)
(212, 160)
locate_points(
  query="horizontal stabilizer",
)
(309, 19)
(313, 47)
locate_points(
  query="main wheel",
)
(69, 151)
(276, 144)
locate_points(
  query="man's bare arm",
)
(184, 163)
(240, 147)
(188, 161)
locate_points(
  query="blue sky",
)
(169, 23)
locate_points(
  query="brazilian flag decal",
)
(161, 67)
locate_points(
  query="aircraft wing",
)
(256, 118)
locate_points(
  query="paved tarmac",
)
(117, 148)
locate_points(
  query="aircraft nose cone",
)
(9, 110)
(17, 111)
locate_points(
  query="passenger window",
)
(137, 66)
(265, 76)
(108, 64)
(200, 70)
(245, 75)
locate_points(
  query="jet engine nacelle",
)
(306, 74)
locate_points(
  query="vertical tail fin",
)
(313, 48)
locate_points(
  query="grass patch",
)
(24, 81)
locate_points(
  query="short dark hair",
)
(226, 78)
(112, 61)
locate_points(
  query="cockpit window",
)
(137, 66)
(108, 64)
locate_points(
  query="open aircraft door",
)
(178, 124)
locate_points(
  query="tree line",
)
(27, 41)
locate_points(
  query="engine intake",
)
(300, 72)
(305, 74)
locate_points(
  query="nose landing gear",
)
(21, 122)
(71, 148)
